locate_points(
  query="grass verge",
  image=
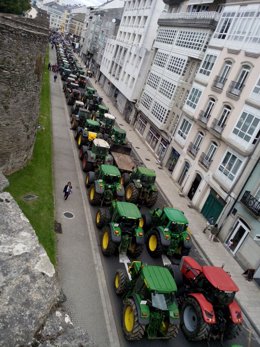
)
(36, 177)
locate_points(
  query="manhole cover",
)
(147, 159)
(159, 167)
(121, 124)
(137, 147)
(68, 215)
(30, 197)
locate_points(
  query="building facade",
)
(215, 144)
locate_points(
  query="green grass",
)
(36, 177)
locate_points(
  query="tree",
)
(14, 6)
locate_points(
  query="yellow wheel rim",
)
(116, 281)
(87, 180)
(92, 193)
(164, 327)
(128, 193)
(121, 180)
(141, 223)
(98, 217)
(79, 140)
(129, 319)
(105, 240)
(153, 243)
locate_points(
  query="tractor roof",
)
(83, 110)
(119, 130)
(73, 76)
(159, 279)
(92, 122)
(219, 278)
(79, 103)
(110, 170)
(92, 90)
(83, 76)
(128, 210)
(175, 215)
(145, 171)
(103, 107)
(70, 79)
(110, 116)
(101, 143)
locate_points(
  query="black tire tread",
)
(139, 329)
(159, 250)
(123, 282)
(97, 197)
(135, 193)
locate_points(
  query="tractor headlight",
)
(141, 223)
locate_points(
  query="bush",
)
(14, 6)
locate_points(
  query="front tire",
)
(153, 244)
(131, 193)
(121, 282)
(108, 247)
(102, 217)
(133, 330)
(168, 330)
(90, 178)
(232, 331)
(135, 250)
(94, 197)
(151, 199)
(192, 323)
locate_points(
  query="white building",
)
(127, 57)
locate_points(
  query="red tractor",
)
(207, 306)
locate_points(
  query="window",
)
(256, 90)
(167, 89)
(193, 97)
(159, 112)
(146, 101)
(166, 36)
(224, 25)
(225, 71)
(176, 65)
(160, 59)
(192, 39)
(184, 128)
(153, 80)
(198, 140)
(209, 108)
(230, 166)
(224, 115)
(247, 126)
(152, 138)
(211, 151)
(207, 64)
(242, 25)
(141, 125)
(242, 77)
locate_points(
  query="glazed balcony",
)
(192, 149)
(204, 160)
(218, 84)
(251, 203)
(235, 89)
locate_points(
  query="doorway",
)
(194, 186)
(184, 173)
(237, 236)
(213, 206)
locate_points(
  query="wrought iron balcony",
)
(235, 89)
(173, 2)
(204, 117)
(251, 203)
(217, 127)
(192, 149)
(219, 82)
(205, 160)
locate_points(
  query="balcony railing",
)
(193, 149)
(217, 127)
(235, 88)
(219, 82)
(251, 203)
(190, 15)
(204, 117)
(205, 160)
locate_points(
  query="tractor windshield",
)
(177, 228)
(224, 298)
(159, 301)
(127, 223)
(111, 179)
(148, 179)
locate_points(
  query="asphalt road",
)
(110, 265)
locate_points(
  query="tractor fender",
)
(120, 190)
(91, 156)
(143, 310)
(206, 308)
(115, 233)
(187, 243)
(235, 312)
(99, 186)
(139, 236)
(137, 184)
(165, 242)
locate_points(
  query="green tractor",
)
(118, 136)
(79, 119)
(150, 306)
(107, 123)
(87, 133)
(105, 185)
(102, 109)
(141, 186)
(89, 94)
(167, 232)
(122, 229)
(97, 155)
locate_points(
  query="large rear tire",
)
(151, 199)
(232, 331)
(108, 247)
(90, 178)
(121, 282)
(94, 197)
(86, 165)
(135, 250)
(168, 330)
(125, 178)
(147, 219)
(133, 330)
(102, 217)
(192, 323)
(131, 193)
(153, 244)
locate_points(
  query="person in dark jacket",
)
(67, 190)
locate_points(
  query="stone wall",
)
(23, 44)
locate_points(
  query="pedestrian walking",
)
(213, 232)
(49, 66)
(209, 225)
(67, 190)
(55, 77)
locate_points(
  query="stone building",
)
(23, 43)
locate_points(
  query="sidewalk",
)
(80, 270)
(216, 254)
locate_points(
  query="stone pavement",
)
(215, 252)
(79, 264)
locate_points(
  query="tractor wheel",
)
(74, 124)
(102, 217)
(90, 178)
(86, 166)
(185, 251)
(94, 197)
(108, 247)
(125, 178)
(135, 250)
(191, 321)
(131, 193)
(147, 219)
(121, 282)
(168, 330)
(153, 244)
(81, 154)
(133, 330)
(79, 141)
(232, 331)
(151, 199)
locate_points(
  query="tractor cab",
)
(82, 81)
(89, 94)
(174, 220)
(102, 109)
(109, 173)
(118, 136)
(144, 175)
(75, 108)
(107, 122)
(127, 215)
(65, 74)
(73, 76)
(100, 148)
(74, 86)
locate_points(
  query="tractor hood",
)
(145, 171)
(159, 279)
(128, 210)
(175, 215)
(219, 278)
(110, 170)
